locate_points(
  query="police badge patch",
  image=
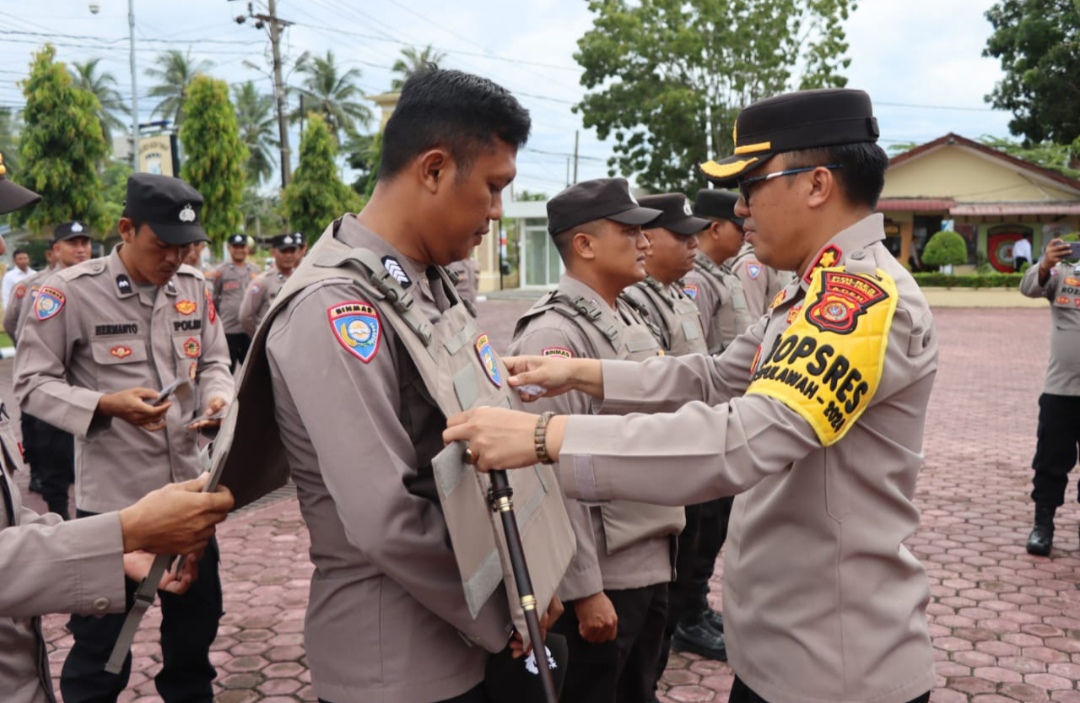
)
(186, 307)
(753, 269)
(120, 352)
(487, 360)
(211, 311)
(192, 348)
(690, 290)
(49, 303)
(843, 298)
(356, 326)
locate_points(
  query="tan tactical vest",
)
(728, 321)
(625, 522)
(680, 320)
(461, 371)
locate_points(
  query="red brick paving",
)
(1006, 625)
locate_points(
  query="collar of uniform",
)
(118, 272)
(573, 288)
(858, 236)
(356, 235)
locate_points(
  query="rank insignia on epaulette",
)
(49, 303)
(487, 359)
(829, 257)
(357, 327)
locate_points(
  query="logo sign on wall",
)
(999, 245)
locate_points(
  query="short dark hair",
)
(862, 172)
(458, 111)
(17, 252)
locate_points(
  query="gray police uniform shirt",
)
(1062, 289)
(22, 301)
(50, 566)
(760, 283)
(721, 302)
(230, 283)
(260, 294)
(94, 332)
(672, 313)
(387, 615)
(823, 603)
(596, 567)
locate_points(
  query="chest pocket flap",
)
(118, 351)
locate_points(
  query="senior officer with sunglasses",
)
(813, 419)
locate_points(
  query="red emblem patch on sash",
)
(843, 298)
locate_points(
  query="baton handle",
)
(502, 502)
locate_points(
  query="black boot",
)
(715, 620)
(697, 636)
(1042, 536)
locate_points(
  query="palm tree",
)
(103, 85)
(174, 71)
(258, 123)
(331, 94)
(412, 61)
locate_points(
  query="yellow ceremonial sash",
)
(827, 365)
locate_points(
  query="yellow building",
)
(992, 199)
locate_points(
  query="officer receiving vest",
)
(403, 536)
(720, 301)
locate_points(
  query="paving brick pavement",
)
(1006, 626)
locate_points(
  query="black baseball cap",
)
(677, 213)
(287, 241)
(169, 205)
(238, 240)
(805, 119)
(717, 203)
(598, 199)
(12, 195)
(70, 230)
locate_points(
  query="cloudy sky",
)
(926, 77)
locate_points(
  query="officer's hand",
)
(1056, 251)
(137, 566)
(176, 519)
(554, 612)
(597, 621)
(132, 405)
(499, 438)
(212, 416)
(547, 376)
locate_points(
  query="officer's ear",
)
(127, 229)
(583, 244)
(823, 188)
(433, 166)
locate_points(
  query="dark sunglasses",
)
(745, 183)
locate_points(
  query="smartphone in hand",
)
(1074, 250)
(167, 391)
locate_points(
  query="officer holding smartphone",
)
(104, 340)
(1056, 278)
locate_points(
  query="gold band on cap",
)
(715, 170)
(753, 148)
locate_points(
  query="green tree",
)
(411, 61)
(214, 156)
(61, 148)
(668, 77)
(262, 213)
(1058, 157)
(332, 94)
(9, 137)
(363, 153)
(114, 180)
(255, 113)
(316, 195)
(174, 72)
(103, 86)
(945, 248)
(1038, 43)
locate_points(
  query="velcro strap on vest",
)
(144, 598)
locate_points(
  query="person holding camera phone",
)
(103, 340)
(1056, 278)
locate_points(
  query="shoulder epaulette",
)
(93, 267)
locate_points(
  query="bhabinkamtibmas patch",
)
(827, 365)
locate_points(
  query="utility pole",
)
(276, 25)
(134, 90)
(577, 134)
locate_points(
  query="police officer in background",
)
(104, 338)
(230, 282)
(822, 601)
(288, 249)
(1057, 279)
(617, 588)
(672, 248)
(79, 566)
(49, 450)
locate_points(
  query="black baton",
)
(502, 502)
